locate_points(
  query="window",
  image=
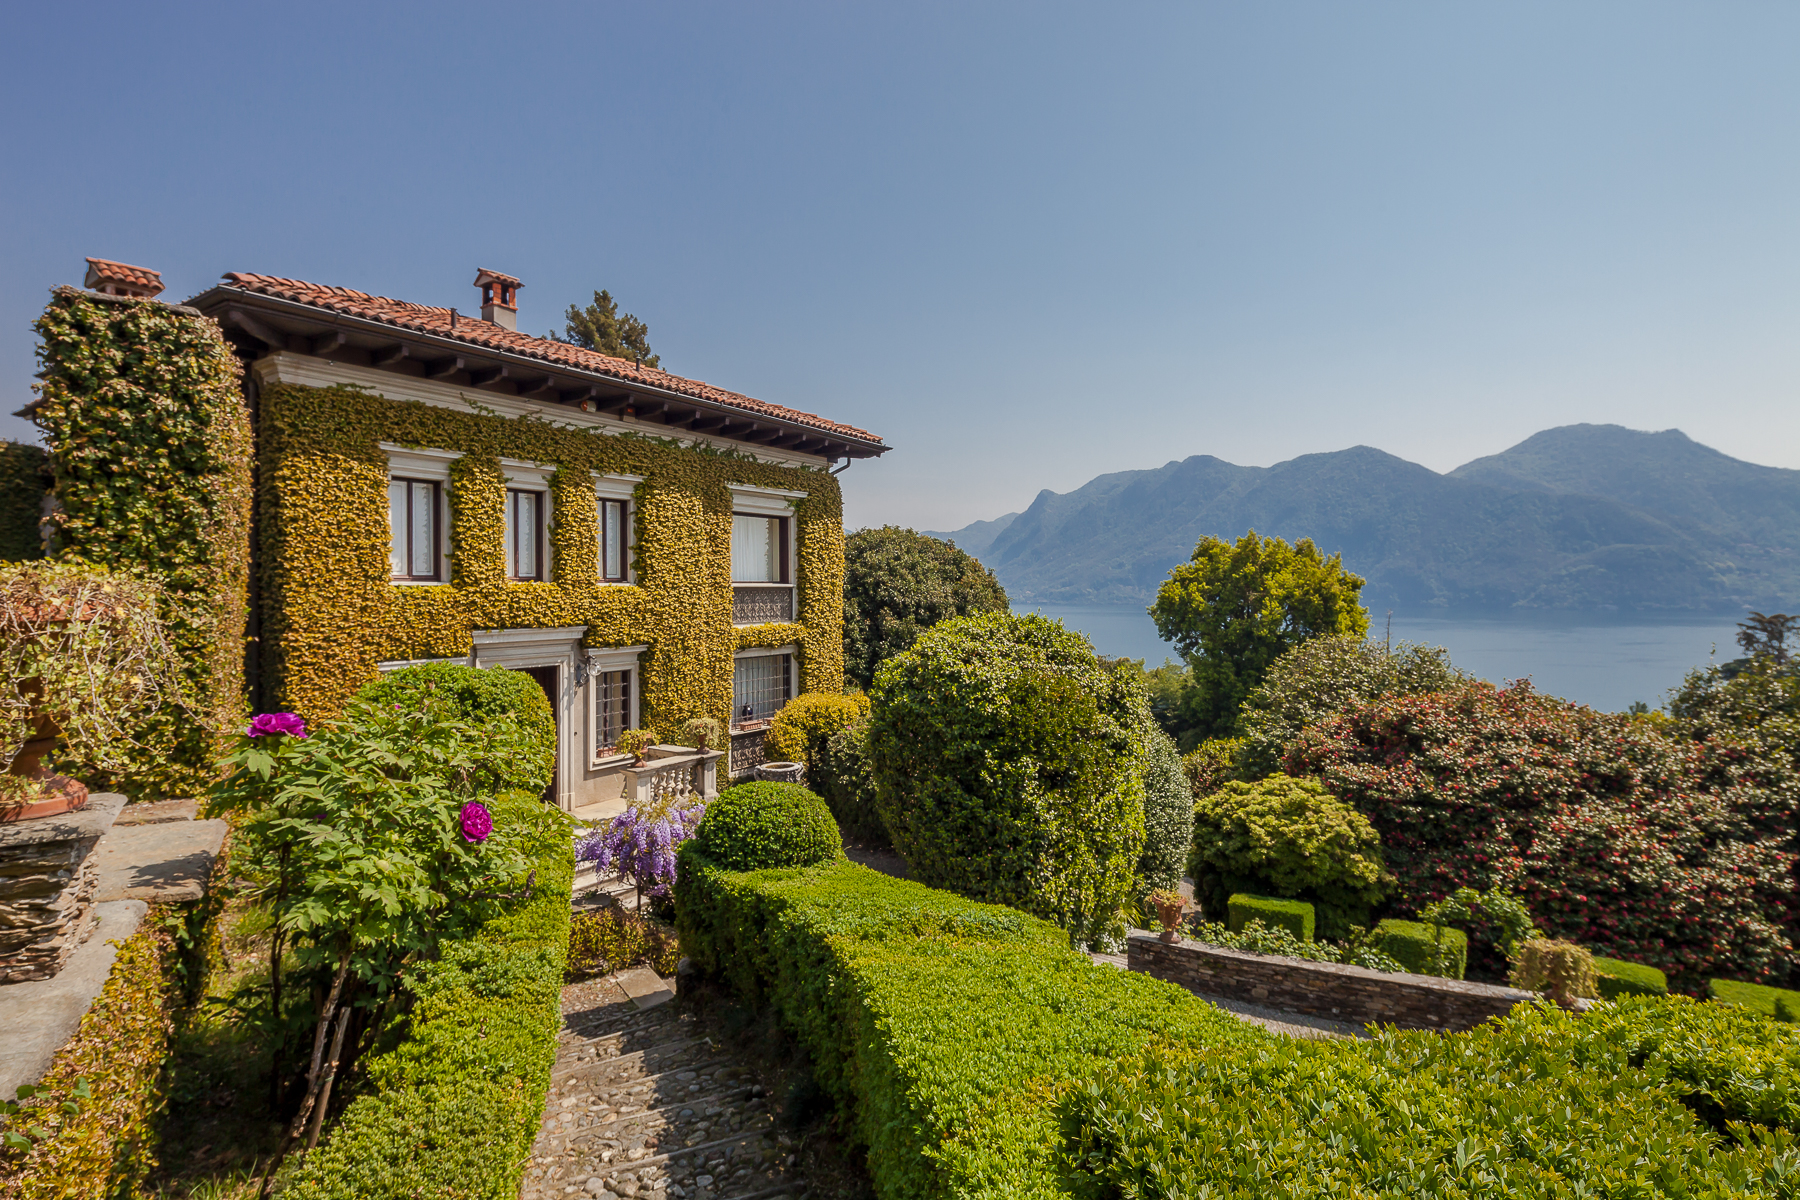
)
(524, 534)
(615, 541)
(413, 528)
(612, 708)
(758, 549)
(760, 685)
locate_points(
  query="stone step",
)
(748, 1160)
(623, 1069)
(591, 1132)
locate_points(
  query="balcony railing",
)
(673, 771)
(762, 604)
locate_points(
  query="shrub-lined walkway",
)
(645, 1104)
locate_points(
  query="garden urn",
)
(1168, 911)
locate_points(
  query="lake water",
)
(1606, 666)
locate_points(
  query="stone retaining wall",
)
(1353, 994)
(48, 877)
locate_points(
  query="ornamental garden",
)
(496, 666)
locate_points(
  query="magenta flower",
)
(477, 822)
(263, 724)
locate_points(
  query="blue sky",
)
(1027, 243)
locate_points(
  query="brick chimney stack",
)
(118, 279)
(499, 298)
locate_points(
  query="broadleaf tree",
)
(1233, 609)
(898, 584)
(601, 327)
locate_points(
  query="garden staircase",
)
(643, 1105)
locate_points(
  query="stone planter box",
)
(1353, 994)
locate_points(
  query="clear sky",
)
(1027, 243)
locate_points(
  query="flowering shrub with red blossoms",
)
(1605, 825)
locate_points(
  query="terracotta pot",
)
(57, 794)
(1170, 916)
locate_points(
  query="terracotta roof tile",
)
(105, 275)
(424, 318)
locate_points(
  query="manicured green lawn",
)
(1757, 996)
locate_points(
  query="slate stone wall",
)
(48, 878)
(1353, 994)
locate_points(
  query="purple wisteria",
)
(642, 849)
(263, 724)
(477, 822)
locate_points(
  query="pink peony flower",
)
(263, 724)
(477, 822)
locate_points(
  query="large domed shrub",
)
(1008, 767)
(758, 825)
(480, 696)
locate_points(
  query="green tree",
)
(602, 328)
(898, 584)
(1232, 610)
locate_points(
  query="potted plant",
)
(85, 658)
(1169, 905)
(700, 732)
(634, 742)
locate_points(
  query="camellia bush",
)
(1606, 826)
(1008, 764)
(1290, 838)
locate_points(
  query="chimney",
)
(118, 279)
(499, 298)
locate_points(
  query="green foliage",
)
(1786, 1011)
(600, 327)
(898, 584)
(1757, 997)
(1233, 610)
(1294, 916)
(800, 730)
(85, 648)
(1007, 763)
(1618, 836)
(1422, 948)
(1615, 977)
(1630, 1101)
(1167, 688)
(612, 940)
(702, 731)
(1356, 950)
(1211, 764)
(453, 1108)
(757, 825)
(24, 478)
(480, 697)
(840, 773)
(1321, 677)
(1168, 815)
(941, 1027)
(89, 1124)
(1561, 969)
(1497, 907)
(1286, 837)
(150, 448)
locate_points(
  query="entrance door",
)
(546, 679)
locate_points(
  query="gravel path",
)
(644, 1105)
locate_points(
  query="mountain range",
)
(1580, 519)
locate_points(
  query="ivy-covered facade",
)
(430, 485)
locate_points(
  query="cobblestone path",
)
(644, 1105)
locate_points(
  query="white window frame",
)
(524, 476)
(611, 658)
(751, 501)
(624, 488)
(791, 653)
(432, 466)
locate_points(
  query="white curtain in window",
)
(522, 534)
(397, 526)
(759, 687)
(755, 549)
(612, 539)
(424, 543)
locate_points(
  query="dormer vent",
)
(499, 298)
(120, 279)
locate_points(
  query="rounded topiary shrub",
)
(1168, 815)
(800, 730)
(1008, 767)
(757, 825)
(480, 697)
(1290, 838)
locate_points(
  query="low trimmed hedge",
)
(120, 1048)
(454, 1107)
(943, 1028)
(1295, 916)
(1616, 978)
(1758, 997)
(1413, 944)
(1630, 1100)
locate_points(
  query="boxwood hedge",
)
(453, 1108)
(1646, 1097)
(942, 1027)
